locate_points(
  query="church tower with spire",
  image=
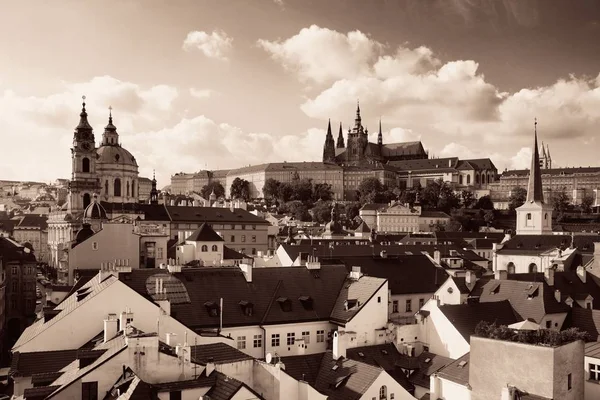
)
(153, 191)
(329, 147)
(84, 182)
(534, 217)
(357, 140)
(380, 136)
(340, 139)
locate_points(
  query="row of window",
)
(276, 339)
(408, 305)
(243, 239)
(216, 226)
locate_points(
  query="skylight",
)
(335, 367)
(462, 364)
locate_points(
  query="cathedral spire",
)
(329, 146)
(340, 139)
(380, 135)
(534, 187)
(358, 118)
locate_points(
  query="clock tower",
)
(84, 183)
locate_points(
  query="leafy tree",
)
(271, 188)
(284, 192)
(560, 201)
(468, 199)
(208, 189)
(298, 209)
(439, 195)
(485, 203)
(586, 204)
(489, 217)
(240, 189)
(517, 198)
(369, 189)
(301, 190)
(321, 212)
(453, 225)
(352, 210)
(408, 197)
(322, 191)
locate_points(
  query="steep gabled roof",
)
(465, 317)
(33, 221)
(213, 215)
(218, 353)
(204, 234)
(527, 244)
(385, 356)
(360, 291)
(457, 371)
(40, 362)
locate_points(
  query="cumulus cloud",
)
(216, 44)
(41, 132)
(202, 93)
(444, 102)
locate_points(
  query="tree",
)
(208, 189)
(485, 203)
(284, 192)
(302, 190)
(298, 210)
(468, 199)
(517, 198)
(271, 188)
(586, 204)
(240, 189)
(453, 226)
(560, 201)
(321, 212)
(489, 217)
(352, 210)
(408, 197)
(322, 191)
(439, 195)
(369, 189)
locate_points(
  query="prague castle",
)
(348, 161)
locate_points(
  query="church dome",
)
(94, 211)
(117, 155)
(84, 233)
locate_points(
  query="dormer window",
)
(212, 308)
(307, 302)
(350, 304)
(247, 308)
(285, 304)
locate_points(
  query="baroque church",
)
(357, 150)
(106, 173)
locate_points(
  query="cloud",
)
(202, 93)
(41, 132)
(520, 160)
(443, 102)
(216, 44)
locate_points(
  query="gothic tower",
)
(340, 140)
(357, 140)
(329, 147)
(380, 136)
(534, 217)
(153, 191)
(84, 183)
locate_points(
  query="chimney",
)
(339, 345)
(470, 278)
(383, 253)
(355, 274)
(434, 384)
(582, 273)
(170, 339)
(557, 295)
(173, 268)
(247, 270)
(501, 275)
(549, 276)
(110, 327)
(126, 316)
(210, 366)
(449, 163)
(313, 262)
(437, 256)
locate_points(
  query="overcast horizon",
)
(222, 84)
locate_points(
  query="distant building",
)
(397, 217)
(33, 229)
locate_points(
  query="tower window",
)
(86, 200)
(127, 189)
(132, 188)
(106, 187)
(117, 190)
(529, 216)
(85, 165)
(546, 216)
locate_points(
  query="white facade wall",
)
(392, 387)
(448, 390)
(591, 387)
(401, 300)
(441, 336)
(371, 317)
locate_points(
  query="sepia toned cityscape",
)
(300, 200)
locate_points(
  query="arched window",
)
(132, 188)
(117, 190)
(510, 268)
(86, 200)
(106, 187)
(546, 216)
(215, 248)
(532, 268)
(460, 179)
(204, 248)
(476, 178)
(383, 393)
(85, 164)
(483, 178)
(468, 179)
(127, 188)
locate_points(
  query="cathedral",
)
(105, 173)
(357, 150)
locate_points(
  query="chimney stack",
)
(557, 295)
(549, 276)
(110, 327)
(470, 278)
(339, 345)
(582, 273)
(247, 271)
(437, 256)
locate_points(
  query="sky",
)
(216, 84)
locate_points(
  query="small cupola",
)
(110, 137)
